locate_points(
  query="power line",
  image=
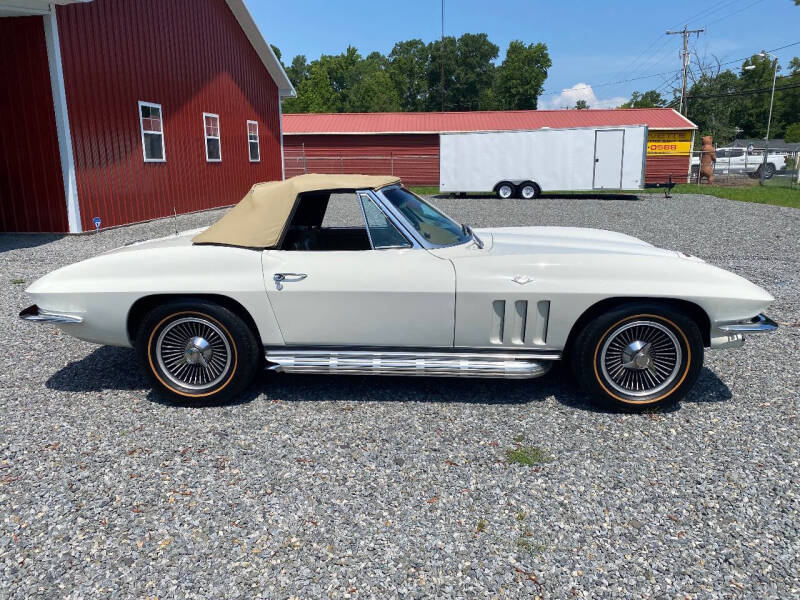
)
(736, 12)
(673, 72)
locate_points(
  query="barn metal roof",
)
(499, 120)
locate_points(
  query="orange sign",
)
(674, 143)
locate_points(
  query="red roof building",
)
(118, 112)
(407, 144)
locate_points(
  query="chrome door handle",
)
(279, 278)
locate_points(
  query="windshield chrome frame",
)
(385, 206)
(399, 219)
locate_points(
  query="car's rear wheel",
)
(638, 355)
(196, 350)
(505, 190)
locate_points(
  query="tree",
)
(298, 70)
(521, 75)
(315, 93)
(468, 68)
(277, 52)
(649, 99)
(581, 104)
(792, 133)
(408, 65)
(371, 88)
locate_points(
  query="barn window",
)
(152, 128)
(252, 141)
(211, 127)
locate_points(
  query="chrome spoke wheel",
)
(641, 358)
(193, 353)
(505, 191)
(528, 192)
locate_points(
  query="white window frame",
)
(161, 133)
(257, 141)
(207, 137)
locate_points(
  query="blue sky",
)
(590, 43)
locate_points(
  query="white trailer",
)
(525, 163)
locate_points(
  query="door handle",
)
(279, 278)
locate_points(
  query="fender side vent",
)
(541, 319)
(498, 321)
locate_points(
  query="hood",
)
(567, 240)
(184, 238)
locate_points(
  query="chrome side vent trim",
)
(498, 321)
(427, 364)
(541, 319)
(518, 320)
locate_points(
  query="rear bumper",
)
(731, 334)
(37, 315)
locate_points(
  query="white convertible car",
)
(405, 290)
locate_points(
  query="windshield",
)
(434, 226)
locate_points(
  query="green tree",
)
(370, 88)
(298, 70)
(468, 68)
(792, 133)
(581, 104)
(408, 71)
(649, 99)
(314, 94)
(521, 76)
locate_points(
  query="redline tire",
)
(196, 351)
(638, 355)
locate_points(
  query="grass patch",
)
(530, 546)
(774, 193)
(424, 190)
(482, 523)
(17, 281)
(528, 456)
(521, 515)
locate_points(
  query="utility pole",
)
(441, 43)
(685, 33)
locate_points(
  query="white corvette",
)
(405, 291)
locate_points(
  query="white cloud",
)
(580, 91)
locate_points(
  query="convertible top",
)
(259, 219)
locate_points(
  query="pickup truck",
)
(742, 160)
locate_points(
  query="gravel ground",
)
(352, 487)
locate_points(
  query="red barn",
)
(407, 144)
(122, 111)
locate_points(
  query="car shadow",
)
(112, 368)
(14, 241)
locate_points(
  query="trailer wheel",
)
(505, 190)
(528, 190)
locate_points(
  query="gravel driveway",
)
(357, 487)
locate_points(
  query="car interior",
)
(307, 229)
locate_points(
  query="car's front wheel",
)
(196, 350)
(638, 355)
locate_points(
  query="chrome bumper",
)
(38, 315)
(731, 334)
(757, 324)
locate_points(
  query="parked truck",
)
(745, 161)
(526, 163)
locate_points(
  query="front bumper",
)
(37, 315)
(730, 334)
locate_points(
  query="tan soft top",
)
(259, 219)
